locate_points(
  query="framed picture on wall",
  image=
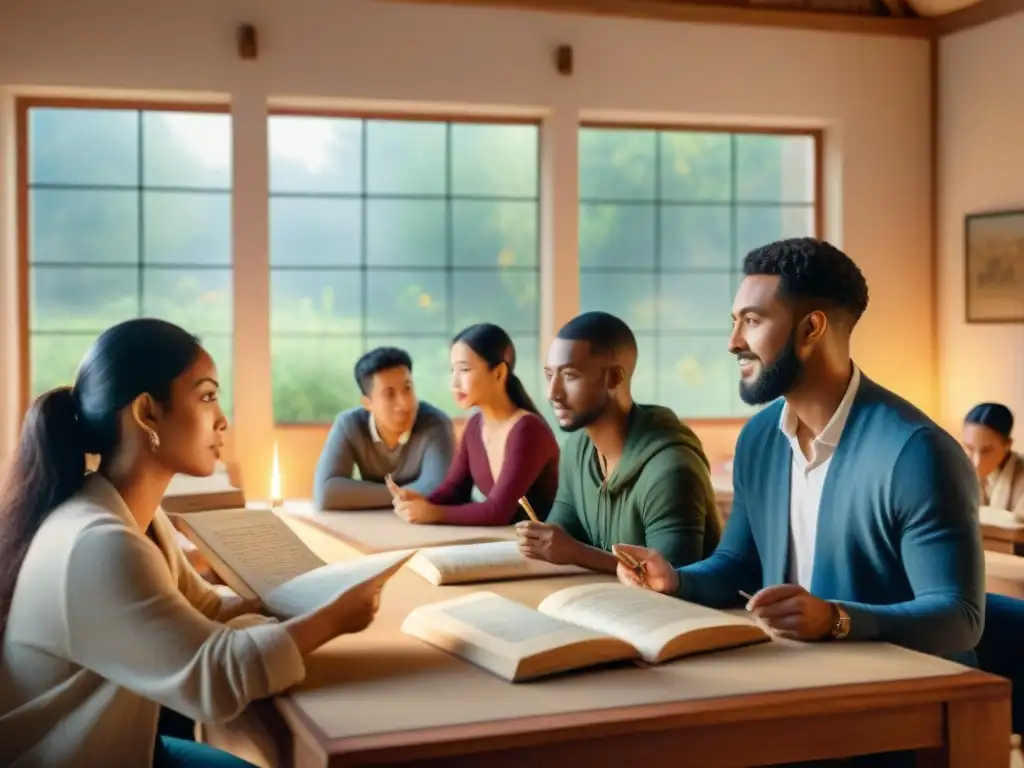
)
(994, 268)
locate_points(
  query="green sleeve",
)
(563, 511)
(674, 513)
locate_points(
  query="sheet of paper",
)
(646, 619)
(381, 530)
(258, 546)
(327, 583)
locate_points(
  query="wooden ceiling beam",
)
(735, 12)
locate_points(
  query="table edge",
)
(830, 700)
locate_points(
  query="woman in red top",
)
(507, 449)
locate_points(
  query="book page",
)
(328, 583)
(648, 620)
(507, 638)
(491, 561)
(258, 546)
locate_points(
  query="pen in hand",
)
(528, 508)
(630, 562)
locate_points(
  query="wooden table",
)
(360, 688)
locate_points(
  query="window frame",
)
(817, 136)
(22, 107)
(411, 116)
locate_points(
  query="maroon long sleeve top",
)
(530, 469)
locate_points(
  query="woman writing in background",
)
(986, 438)
(507, 449)
(102, 619)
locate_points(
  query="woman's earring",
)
(154, 441)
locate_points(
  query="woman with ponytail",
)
(102, 619)
(507, 450)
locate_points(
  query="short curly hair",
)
(812, 271)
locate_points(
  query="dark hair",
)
(606, 333)
(995, 416)
(494, 345)
(812, 270)
(377, 360)
(63, 425)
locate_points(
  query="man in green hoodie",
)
(629, 473)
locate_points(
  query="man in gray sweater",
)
(389, 433)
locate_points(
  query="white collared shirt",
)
(807, 479)
(375, 435)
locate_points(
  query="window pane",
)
(55, 359)
(406, 233)
(617, 164)
(83, 146)
(187, 228)
(617, 236)
(628, 296)
(308, 231)
(508, 299)
(315, 154)
(400, 301)
(182, 149)
(697, 375)
(77, 299)
(696, 236)
(199, 300)
(83, 225)
(222, 352)
(431, 369)
(405, 158)
(494, 160)
(696, 301)
(492, 233)
(645, 379)
(774, 169)
(696, 166)
(316, 301)
(528, 369)
(763, 224)
(312, 377)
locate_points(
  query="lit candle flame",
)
(275, 477)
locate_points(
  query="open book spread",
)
(1000, 518)
(259, 556)
(575, 627)
(491, 561)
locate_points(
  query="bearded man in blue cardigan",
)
(854, 515)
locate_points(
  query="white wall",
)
(869, 93)
(981, 161)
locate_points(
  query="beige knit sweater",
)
(106, 626)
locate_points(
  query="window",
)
(666, 218)
(128, 215)
(396, 232)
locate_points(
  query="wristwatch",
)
(840, 622)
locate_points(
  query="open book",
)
(259, 556)
(575, 627)
(490, 561)
(1000, 518)
(196, 494)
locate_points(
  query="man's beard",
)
(584, 419)
(775, 379)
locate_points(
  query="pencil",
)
(525, 504)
